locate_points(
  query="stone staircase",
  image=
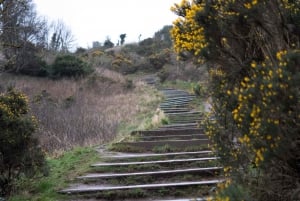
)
(170, 163)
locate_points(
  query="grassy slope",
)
(62, 170)
(126, 109)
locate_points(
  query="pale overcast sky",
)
(94, 20)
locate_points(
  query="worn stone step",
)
(82, 189)
(202, 171)
(166, 107)
(189, 113)
(168, 198)
(184, 125)
(184, 121)
(186, 199)
(173, 110)
(150, 145)
(176, 95)
(150, 155)
(178, 137)
(174, 103)
(169, 101)
(169, 132)
(186, 96)
(184, 116)
(184, 160)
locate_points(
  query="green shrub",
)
(198, 89)
(70, 66)
(19, 151)
(163, 75)
(37, 67)
(158, 60)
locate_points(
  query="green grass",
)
(62, 170)
(179, 84)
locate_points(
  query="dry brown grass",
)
(83, 112)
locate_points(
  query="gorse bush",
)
(158, 60)
(19, 151)
(252, 50)
(70, 66)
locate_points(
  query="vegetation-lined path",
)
(172, 162)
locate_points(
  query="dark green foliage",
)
(160, 59)
(199, 90)
(122, 37)
(19, 151)
(164, 37)
(163, 75)
(108, 44)
(80, 50)
(37, 67)
(70, 66)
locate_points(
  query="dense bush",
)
(36, 67)
(19, 151)
(252, 51)
(123, 64)
(158, 60)
(69, 66)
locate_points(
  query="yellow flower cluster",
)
(262, 86)
(186, 32)
(292, 6)
(5, 110)
(249, 5)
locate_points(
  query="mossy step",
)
(184, 125)
(202, 171)
(169, 102)
(98, 188)
(187, 113)
(172, 110)
(154, 162)
(149, 155)
(179, 121)
(186, 131)
(174, 137)
(150, 145)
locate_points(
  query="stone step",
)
(153, 199)
(187, 199)
(145, 155)
(184, 160)
(203, 171)
(174, 104)
(187, 125)
(150, 145)
(172, 110)
(83, 189)
(176, 95)
(169, 132)
(176, 128)
(178, 137)
(166, 92)
(187, 96)
(184, 120)
(173, 101)
(189, 113)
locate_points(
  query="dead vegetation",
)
(81, 112)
